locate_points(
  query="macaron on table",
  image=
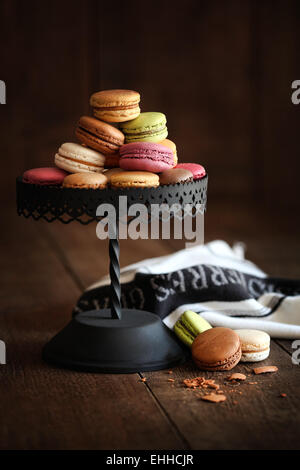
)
(116, 339)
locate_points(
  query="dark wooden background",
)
(220, 70)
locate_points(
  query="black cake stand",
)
(114, 340)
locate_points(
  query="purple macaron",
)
(146, 156)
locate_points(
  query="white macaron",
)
(255, 345)
(75, 158)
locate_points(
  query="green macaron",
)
(147, 127)
(189, 326)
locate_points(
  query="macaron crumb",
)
(191, 383)
(170, 372)
(252, 383)
(237, 376)
(265, 369)
(235, 402)
(143, 379)
(283, 395)
(171, 380)
(201, 382)
(214, 398)
(211, 384)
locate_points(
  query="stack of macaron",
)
(119, 146)
(217, 349)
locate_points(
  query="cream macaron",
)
(75, 158)
(255, 345)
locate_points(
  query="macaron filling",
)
(82, 162)
(154, 131)
(166, 158)
(226, 362)
(131, 183)
(116, 108)
(105, 138)
(251, 351)
(187, 329)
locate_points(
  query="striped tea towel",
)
(214, 280)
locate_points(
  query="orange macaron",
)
(116, 105)
(134, 179)
(86, 180)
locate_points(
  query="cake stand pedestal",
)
(114, 340)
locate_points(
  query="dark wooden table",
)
(45, 268)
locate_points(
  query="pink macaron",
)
(45, 176)
(146, 156)
(197, 170)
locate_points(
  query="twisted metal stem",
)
(114, 270)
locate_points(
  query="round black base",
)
(94, 342)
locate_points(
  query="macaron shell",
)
(134, 179)
(197, 170)
(255, 356)
(143, 165)
(99, 135)
(189, 326)
(112, 171)
(171, 145)
(195, 322)
(175, 176)
(117, 115)
(253, 340)
(115, 98)
(95, 142)
(229, 364)
(145, 156)
(145, 122)
(154, 137)
(76, 158)
(126, 100)
(44, 176)
(183, 334)
(85, 181)
(147, 127)
(78, 152)
(216, 349)
(75, 167)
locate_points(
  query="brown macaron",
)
(112, 161)
(99, 135)
(175, 175)
(87, 180)
(216, 349)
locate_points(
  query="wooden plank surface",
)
(42, 407)
(55, 408)
(253, 416)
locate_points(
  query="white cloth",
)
(273, 312)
